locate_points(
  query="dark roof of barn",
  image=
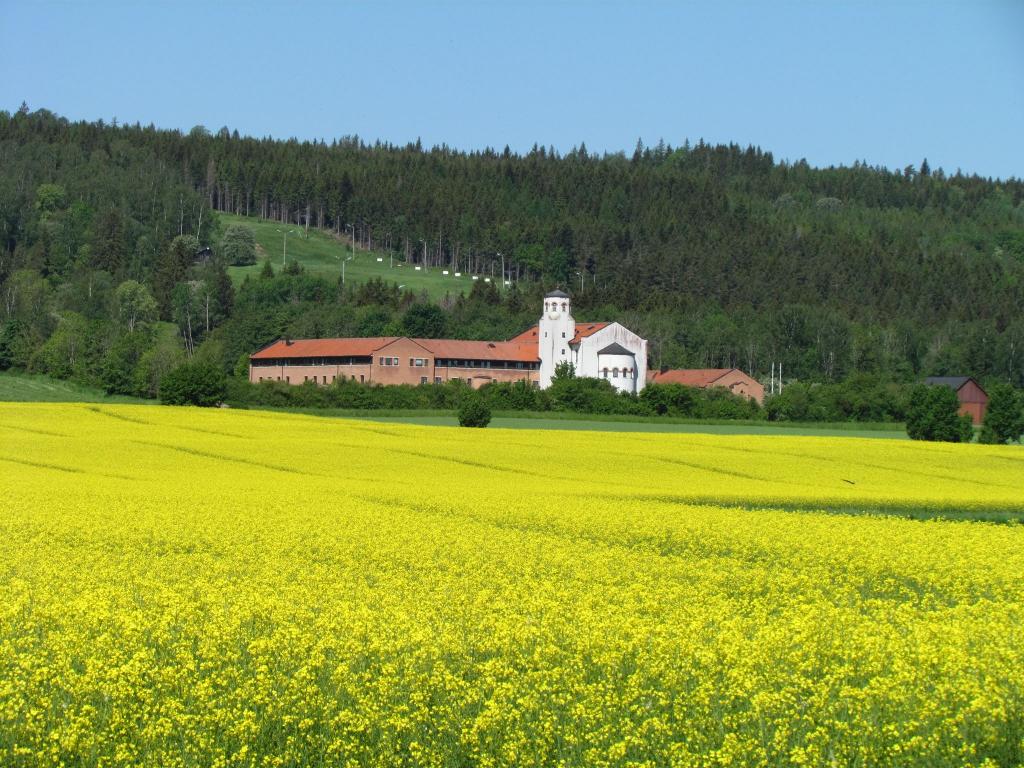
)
(953, 382)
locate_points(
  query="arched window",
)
(615, 373)
(563, 306)
(604, 373)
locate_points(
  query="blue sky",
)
(832, 82)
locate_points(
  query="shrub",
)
(933, 415)
(239, 245)
(1004, 419)
(860, 398)
(474, 412)
(201, 384)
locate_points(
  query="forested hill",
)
(719, 254)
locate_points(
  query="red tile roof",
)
(481, 350)
(689, 377)
(582, 331)
(323, 348)
(446, 348)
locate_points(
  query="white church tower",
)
(556, 329)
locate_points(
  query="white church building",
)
(596, 350)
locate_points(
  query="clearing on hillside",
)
(321, 254)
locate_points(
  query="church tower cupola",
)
(554, 334)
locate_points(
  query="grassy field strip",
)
(617, 425)
(24, 387)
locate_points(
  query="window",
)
(615, 373)
(437, 379)
(389, 361)
(604, 373)
(563, 306)
(417, 362)
(361, 378)
(545, 334)
(325, 379)
(563, 351)
(563, 334)
(423, 379)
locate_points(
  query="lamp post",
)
(284, 258)
(424, 255)
(343, 262)
(580, 273)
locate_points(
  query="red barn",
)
(973, 399)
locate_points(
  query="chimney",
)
(664, 369)
(288, 342)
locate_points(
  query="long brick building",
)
(599, 350)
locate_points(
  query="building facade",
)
(599, 350)
(595, 350)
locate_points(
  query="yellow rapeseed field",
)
(220, 588)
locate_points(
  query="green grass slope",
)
(33, 388)
(320, 253)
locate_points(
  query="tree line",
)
(719, 255)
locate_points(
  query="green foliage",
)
(473, 411)
(692, 402)
(110, 252)
(118, 367)
(71, 352)
(859, 398)
(50, 198)
(425, 321)
(172, 268)
(238, 246)
(564, 370)
(17, 344)
(933, 415)
(135, 305)
(586, 395)
(1004, 418)
(197, 383)
(162, 356)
